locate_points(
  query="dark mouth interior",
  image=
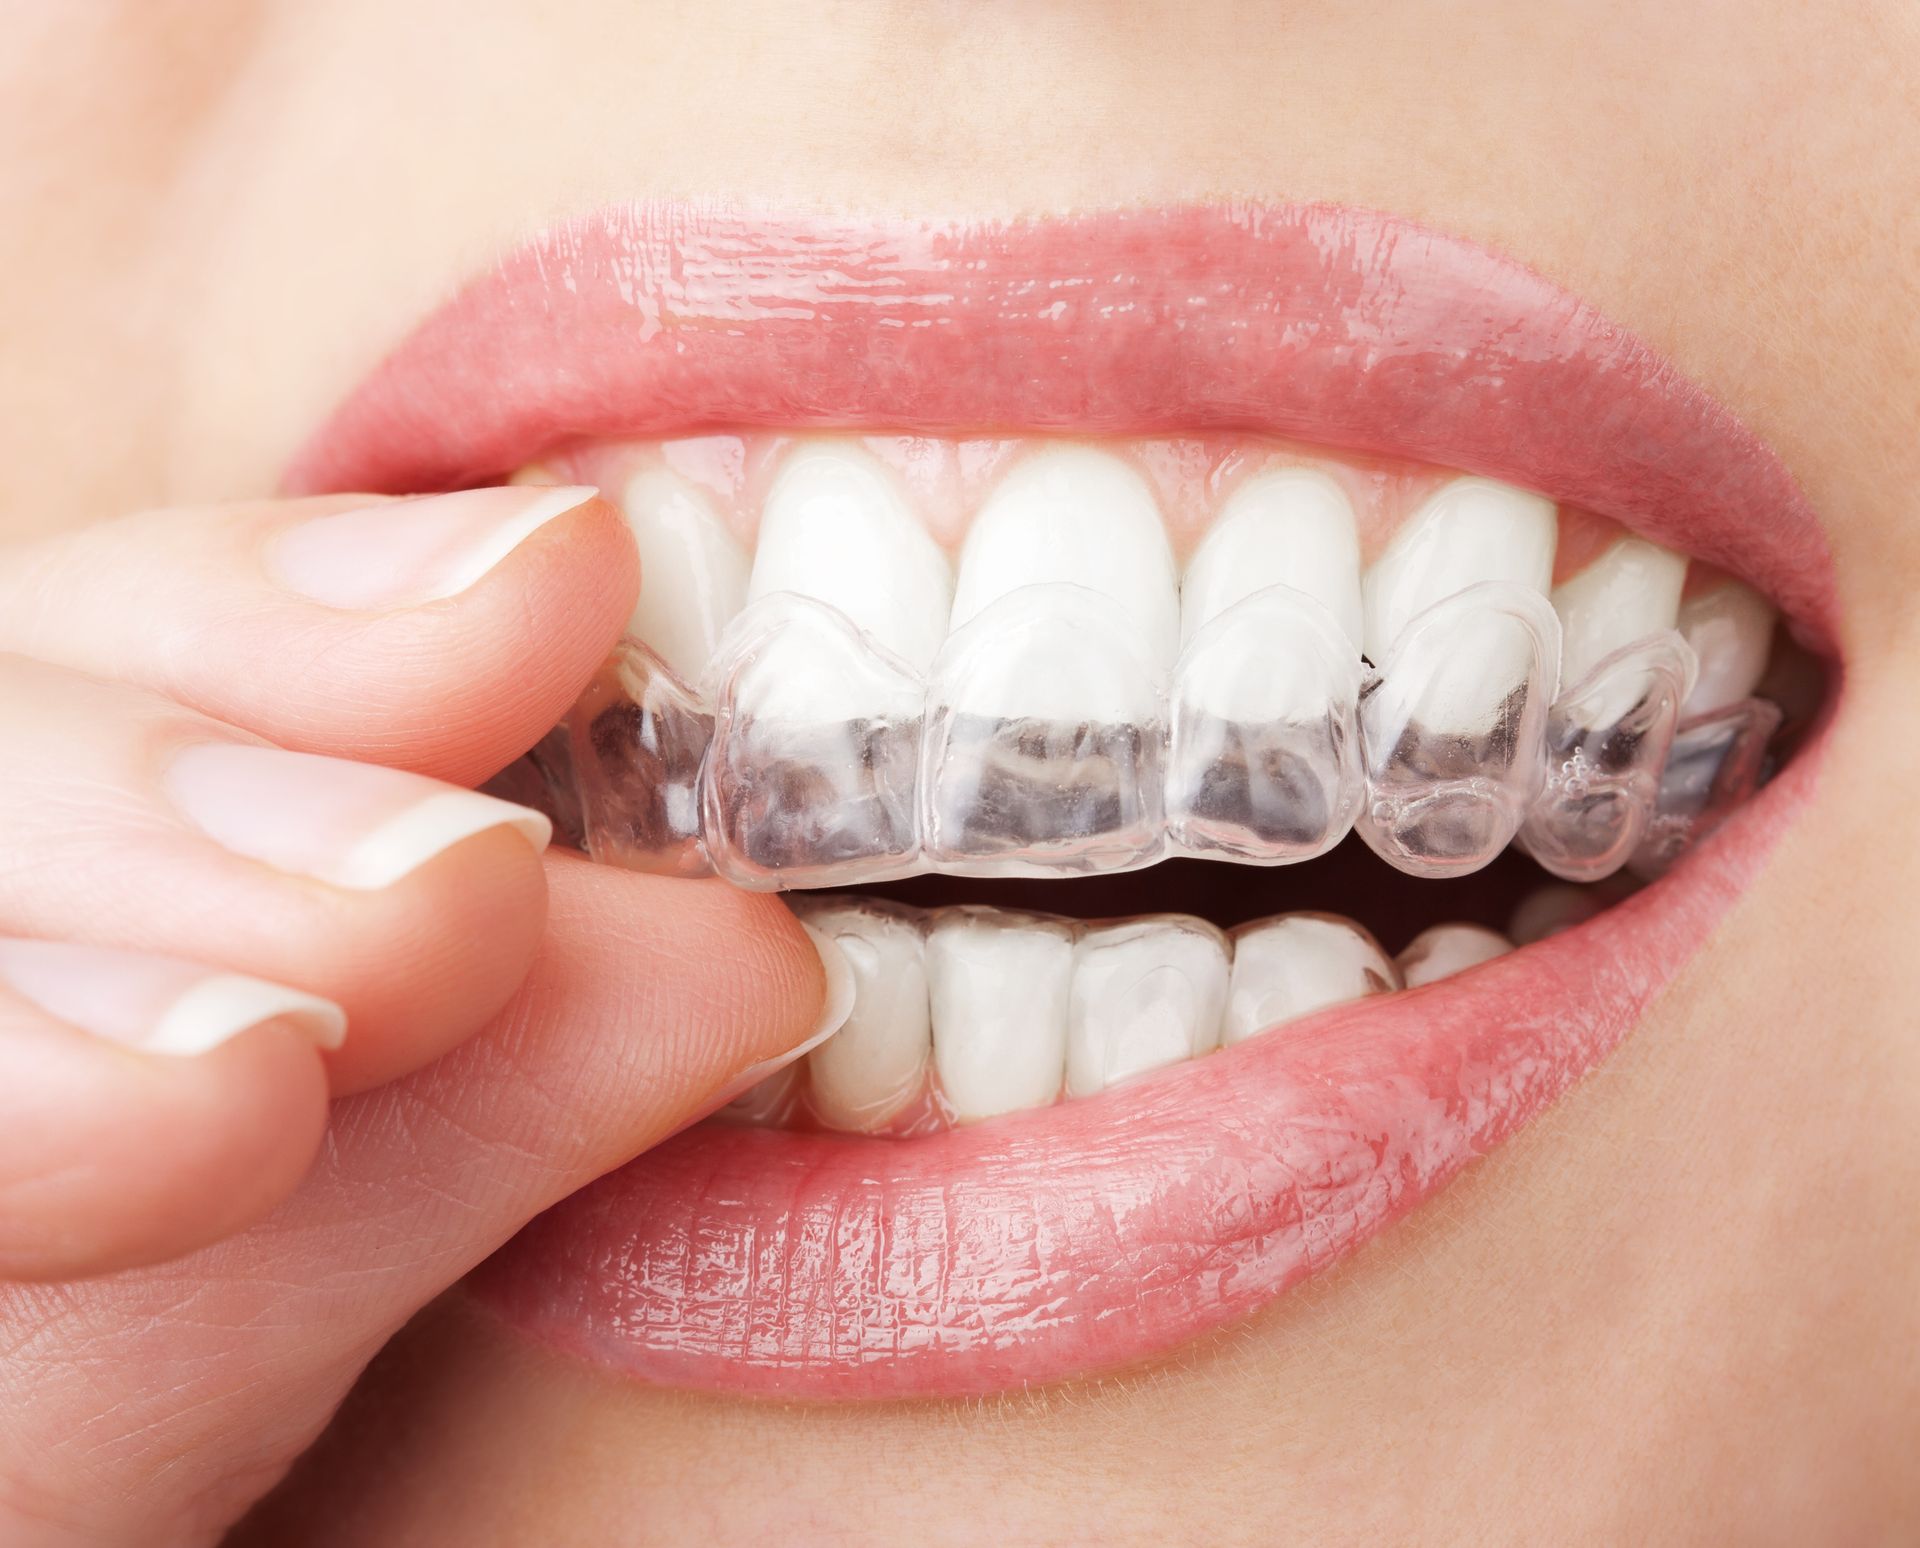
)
(1349, 880)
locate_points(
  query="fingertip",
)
(112, 1157)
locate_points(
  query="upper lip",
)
(1338, 326)
(1053, 1242)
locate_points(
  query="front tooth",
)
(1445, 949)
(877, 1062)
(1730, 627)
(1472, 530)
(836, 528)
(693, 575)
(1081, 516)
(1548, 910)
(1293, 965)
(1146, 993)
(1290, 528)
(1630, 592)
(1468, 648)
(999, 984)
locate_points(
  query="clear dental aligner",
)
(848, 705)
(962, 1014)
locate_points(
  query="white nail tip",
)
(218, 1009)
(509, 535)
(835, 1006)
(410, 838)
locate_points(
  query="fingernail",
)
(352, 824)
(834, 1010)
(158, 1004)
(401, 553)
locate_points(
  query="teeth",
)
(812, 773)
(876, 1064)
(1084, 517)
(1630, 592)
(1293, 528)
(637, 738)
(1469, 656)
(1289, 967)
(1042, 753)
(1548, 910)
(1717, 761)
(999, 984)
(1146, 993)
(1263, 760)
(1730, 628)
(1607, 742)
(1446, 949)
(693, 575)
(1472, 530)
(836, 528)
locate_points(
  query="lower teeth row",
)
(966, 1013)
(1041, 744)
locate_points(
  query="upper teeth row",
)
(1068, 700)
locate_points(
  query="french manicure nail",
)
(401, 553)
(352, 824)
(158, 1004)
(835, 1007)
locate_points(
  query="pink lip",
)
(1103, 1232)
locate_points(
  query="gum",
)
(1040, 744)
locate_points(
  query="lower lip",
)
(1104, 1232)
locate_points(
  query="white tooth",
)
(1445, 949)
(693, 575)
(877, 1062)
(1631, 591)
(999, 983)
(1730, 628)
(1289, 528)
(1146, 993)
(837, 528)
(1550, 909)
(1293, 965)
(1074, 514)
(1471, 530)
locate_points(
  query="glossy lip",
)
(1093, 1235)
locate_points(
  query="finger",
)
(148, 1106)
(649, 999)
(128, 821)
(442, 635)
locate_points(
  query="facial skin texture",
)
(1685, 1306)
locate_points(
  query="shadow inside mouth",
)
(1351, 880)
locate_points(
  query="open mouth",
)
(1247, 691)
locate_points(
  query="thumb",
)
(181, 1394)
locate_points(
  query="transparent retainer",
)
(1607, 742)
(1041, 743)
(1263, 759)
(1453, 729)
(1716, 763)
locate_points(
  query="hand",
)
(322, 1027)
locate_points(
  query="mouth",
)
(1261, 699)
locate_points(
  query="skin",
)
(1683, 1307)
